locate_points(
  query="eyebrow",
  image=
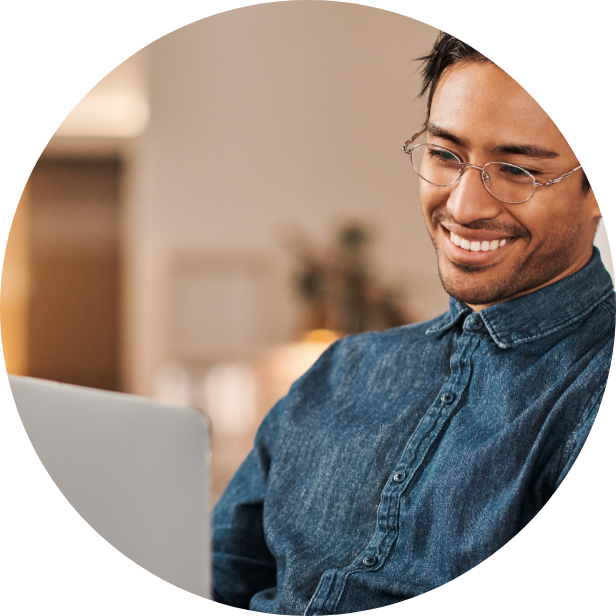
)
(520, 149)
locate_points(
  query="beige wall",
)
(262, 120)
(270, 118)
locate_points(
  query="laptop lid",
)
(135, 469)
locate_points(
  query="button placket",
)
(473, 323)
(448, 397)
(370, 561)
(427, 431)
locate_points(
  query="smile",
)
(474, 246)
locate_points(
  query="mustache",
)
(486, 224)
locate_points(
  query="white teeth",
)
(484, 246)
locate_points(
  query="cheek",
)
(431, 198)
(546, 218)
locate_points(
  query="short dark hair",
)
(447, 51)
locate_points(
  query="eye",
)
(443, 155)
(513, 170)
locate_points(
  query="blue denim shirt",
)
(403, 458)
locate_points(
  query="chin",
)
(476, 295)
(486, 286)
(483, 286)
(477, 287)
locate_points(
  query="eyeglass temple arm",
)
(423, 130)
(564, 176)
(408, 143)
(558, 179)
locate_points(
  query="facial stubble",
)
(529, 271)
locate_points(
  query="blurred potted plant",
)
(338, 287)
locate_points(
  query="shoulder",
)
(390, 339)
(374, 346)
(359, 357)
(608, 306)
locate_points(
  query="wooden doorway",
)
(72, 325)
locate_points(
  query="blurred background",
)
(220, 208)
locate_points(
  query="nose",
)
(469, 200)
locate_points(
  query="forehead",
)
(481, 99)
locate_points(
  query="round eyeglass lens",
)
(440, 167)
(508, 183)
(435, 164)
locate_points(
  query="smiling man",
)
(501, 228)
(401, 459)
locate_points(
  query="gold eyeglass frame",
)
(463, 166)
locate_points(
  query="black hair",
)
(447, 51)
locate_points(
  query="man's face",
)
(482, 115)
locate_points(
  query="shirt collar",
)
(540, 313)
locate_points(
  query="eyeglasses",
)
(508, 183)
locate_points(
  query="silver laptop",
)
(135, 469)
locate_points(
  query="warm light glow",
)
(229, 394)
(322, 335)
(16, 293)
(116, 114)
(172, 384)
(118, 106)
(284, 364)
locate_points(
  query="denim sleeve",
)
(578, 439)
(241, 561)
(596, 385)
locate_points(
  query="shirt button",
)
(474, 323)
(370, 561)
(447, 397)
(399, 477)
